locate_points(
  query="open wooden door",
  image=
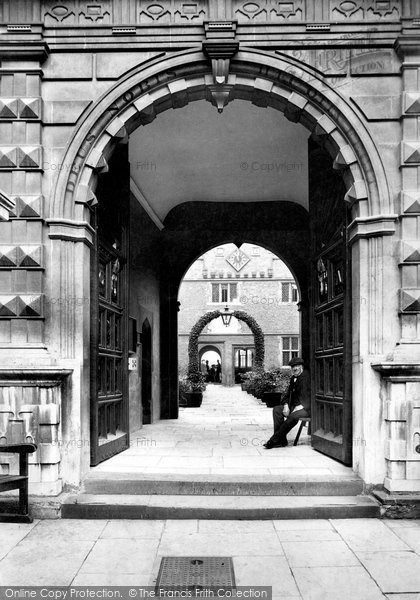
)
(330, 347)
(109, 314)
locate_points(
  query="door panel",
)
(109, 347)
(330, 310)
(243, 361)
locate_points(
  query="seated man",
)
(295, 404)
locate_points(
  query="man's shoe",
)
(269, 445)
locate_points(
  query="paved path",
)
(224, 437)
(356, 559)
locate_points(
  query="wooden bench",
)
(302, 422)
(17, 482)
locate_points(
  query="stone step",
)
(110, 506)
(246, 485)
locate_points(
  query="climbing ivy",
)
(194, 365)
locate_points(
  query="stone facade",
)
(260, 284)
(77, 78)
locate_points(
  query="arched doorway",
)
(210, 356)
(146, 371)
(193, 355)
(330, 119)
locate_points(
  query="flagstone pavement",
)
(225, 436)
(354, 559)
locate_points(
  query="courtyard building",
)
(250, 279)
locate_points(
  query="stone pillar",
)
(399, 385)
(408, 49)
(227, 366)
(32, 383)
(68, 335)
(374, 330)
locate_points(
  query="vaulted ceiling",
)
(245, 154)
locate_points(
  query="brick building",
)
(251, 279)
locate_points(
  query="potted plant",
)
(191, 389)
(275, 384)
(244, 379)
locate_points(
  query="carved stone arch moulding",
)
(193, 355)
(265, 80)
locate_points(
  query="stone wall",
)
(144, 304)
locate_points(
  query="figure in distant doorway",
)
(212, 374)
(218, 372)
(203, 367)
(207, 371)
(295, 404)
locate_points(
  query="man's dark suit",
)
(297, 393)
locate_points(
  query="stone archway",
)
(256, 76)
(278, 81)
(209, 348)
(193, 356)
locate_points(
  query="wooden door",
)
(330, 310)
(109, 347)
(243, 361)
(146, 372)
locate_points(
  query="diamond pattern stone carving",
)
(410, 253)
(29, 305)
(412, 102)
(29, 157)
(238, 259)
(20, 257)
(411, 202)
(8, 306)
(410, 301)
(25, 306)
(8, 157)
(8, 108)
(23, 157)
(29, 108)
(20, 108)
(29, 206)
(29, 256)
(8, 256)
(411, 152)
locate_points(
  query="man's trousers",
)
(282, 424)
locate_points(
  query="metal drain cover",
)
(196, 572)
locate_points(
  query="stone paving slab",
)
(301, 559)
(393, 571)
(224, 436)
(336, 582)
